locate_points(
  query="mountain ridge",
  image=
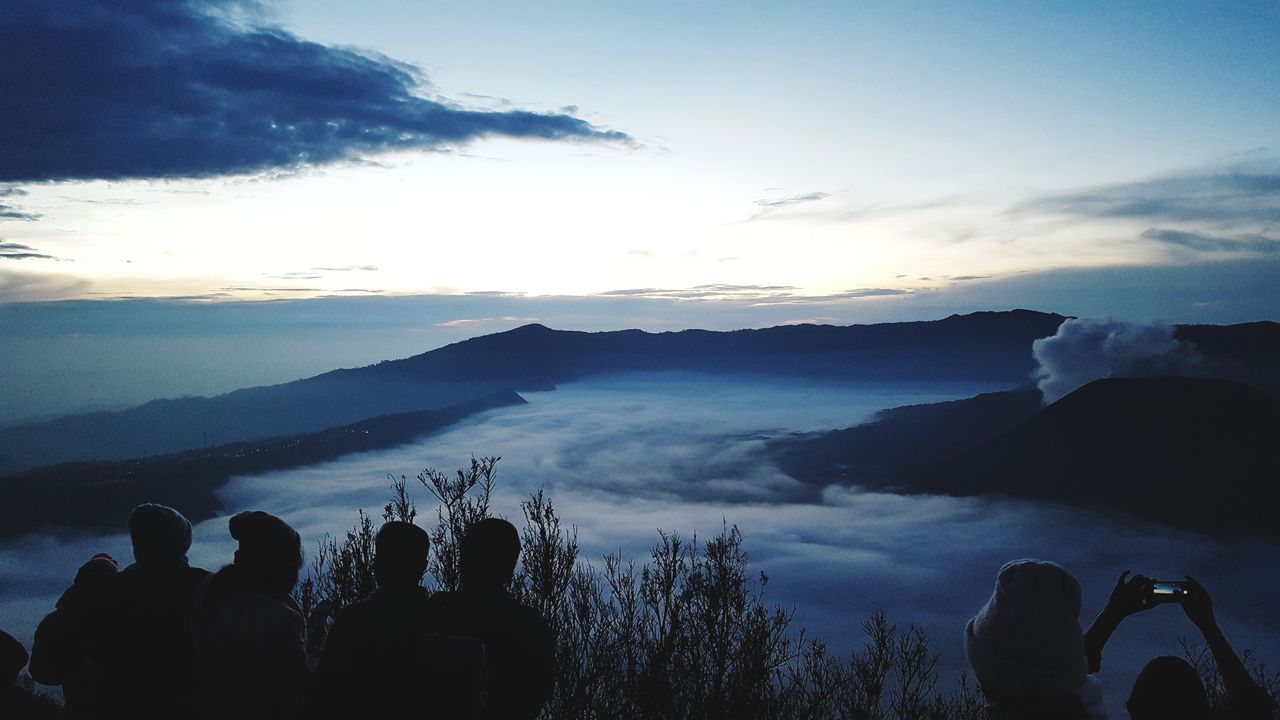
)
(987, 346)
(1195, 453)
(97, 495)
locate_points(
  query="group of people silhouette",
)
(162, 639)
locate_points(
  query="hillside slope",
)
(1194, 453)
(99, 495)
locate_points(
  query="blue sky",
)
(853, 161)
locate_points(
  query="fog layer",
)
(623, 456)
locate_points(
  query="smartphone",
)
(1164, 591)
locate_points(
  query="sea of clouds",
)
(624, 456)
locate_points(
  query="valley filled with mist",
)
(894, 471)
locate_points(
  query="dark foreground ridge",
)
(1193, 453)
(987, 346)
(93, 495)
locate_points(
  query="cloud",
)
(251, 288)
(714, 291)
(871, 292)
(622, 458)
(847, 295)
(1238, 195)
(16, 286)
(1086, 350)
(846, 212)
(1203, 243)
(157, 89)
(348, 268)
(10, 212)
(794, 200)
(470, 322)
(769, 206)
(18, 251)
(755, 295)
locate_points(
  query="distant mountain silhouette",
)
(1247, 353)
(99, 495)
(984, 345)
(1194, 453)
(989, 346)
(875, 454)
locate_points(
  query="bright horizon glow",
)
(831, 152)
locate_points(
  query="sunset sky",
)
(831, 157)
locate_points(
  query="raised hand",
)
(1130, 595)
(1198, 605)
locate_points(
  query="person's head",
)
(489, 554)
(400, 556)
(160, 534)
(13, 657)
(1168, 688)
(1025, 644)
(97, 566)
(270, 552)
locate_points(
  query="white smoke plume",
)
(1085, 350)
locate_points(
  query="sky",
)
(846, 161)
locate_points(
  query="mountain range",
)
(986, 346)
(1196, 452)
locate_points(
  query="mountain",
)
(1193, 453)
(874, 455)
(99, 495)
(1247, 353)
(986, 346)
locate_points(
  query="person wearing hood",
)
(249, 633)
(1027, 650)
(60, 654)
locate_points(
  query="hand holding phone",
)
(1167, 591)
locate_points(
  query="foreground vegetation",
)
(686, 634)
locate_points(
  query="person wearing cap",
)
(59, 654)
(519, 649)
(249, 632)
(1027, 650)
(137, 622)
(382, 645)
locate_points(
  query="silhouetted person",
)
(249, 632)
(137, 622)
(1168, 687)
(1026, 647)
(382, 658)
(16, 702)
(519, 650)
(60, 654)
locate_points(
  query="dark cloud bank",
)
(1243, 193)
(156, 89)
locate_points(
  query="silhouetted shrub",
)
(687, 634)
